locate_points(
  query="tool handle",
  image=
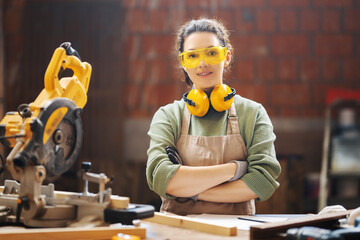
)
(67, 58)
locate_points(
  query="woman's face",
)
(205, 76)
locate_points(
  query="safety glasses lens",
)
(213, 55)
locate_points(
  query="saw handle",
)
(75, 87)
(66, 57)
(70, 50)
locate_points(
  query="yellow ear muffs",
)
(221, 97)
(197, 102)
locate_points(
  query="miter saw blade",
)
(55, 147)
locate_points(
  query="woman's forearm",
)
(191, 180)
(236, 191)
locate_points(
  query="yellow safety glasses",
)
(211, 55)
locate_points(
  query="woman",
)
(225, 156)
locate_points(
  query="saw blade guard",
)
(57, 138)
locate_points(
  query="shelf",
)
(344, 174)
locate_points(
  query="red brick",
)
(131, 46)
(245, 20)
(309, 20)
(331, 20)
(140, 113)
(226, 17)
(136, 20)
(200, 3)
(319, 94)
(158, 71)
(131, 95)
(255, 92)
(251, 45)
(245, 70)
(246, 3)
(157, 45)
(137, 70)
(358, 45)
(176, 19)
(309, 69)
(334, 45)
(160, 94)
(198, 12)
(331, 69)
(351, 69)
(295, 95)
(266, 69)
(158, 20)
(327, 3)
(287, 69)
(292, 3)
(129, 3)
(176, 72)
(270, 111)
(311, 112)
(288, 20)
(320, 91)
(265, 20)
(352, 20)
(288, 112)
(157, 4)
(290, 45)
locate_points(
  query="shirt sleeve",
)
(159, 170)
(263, 168)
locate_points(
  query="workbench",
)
(154, 231)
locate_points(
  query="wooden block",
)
(69, 233)
(115, 201)
(119, 202)
(190, 223)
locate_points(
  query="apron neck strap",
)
(233, 124)
(185, 121)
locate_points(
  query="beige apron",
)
(206, 151)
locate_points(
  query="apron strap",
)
(185, 122)
(233, 124)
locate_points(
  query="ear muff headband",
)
(198, 103)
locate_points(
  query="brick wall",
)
(287, 53)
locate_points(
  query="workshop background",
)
(288, 54)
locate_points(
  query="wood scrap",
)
(190, 223)
(97, 233)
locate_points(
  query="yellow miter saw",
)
(46, 137)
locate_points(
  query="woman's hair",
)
(202, 25)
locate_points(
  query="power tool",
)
(316, 233)
(46, 137)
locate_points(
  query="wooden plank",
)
(190, 223)
(96, 233)
(273, 230)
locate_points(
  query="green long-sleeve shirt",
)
(255, 128)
